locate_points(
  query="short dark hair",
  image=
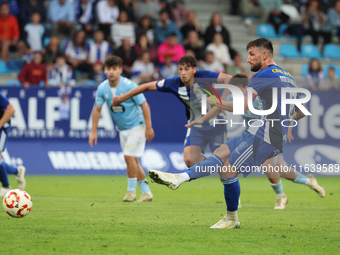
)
(188, 60)
(60, 55)
(262, 43)
(239, 80)
(113, 61)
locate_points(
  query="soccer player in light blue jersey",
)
(6, 112)
(241, 81)
(132, 118)
(187, 88)
(258, 145)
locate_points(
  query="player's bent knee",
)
(223, 152)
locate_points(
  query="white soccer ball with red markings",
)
(17, 203)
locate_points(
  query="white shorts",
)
(133, 141)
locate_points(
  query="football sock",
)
(144, 187)
(232, 193)
(3, 175)
(302, 179)
(201, 169)
(278, 188)
(183, 177)
(10, 169)
(132, 182)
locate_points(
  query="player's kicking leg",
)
(299, 178)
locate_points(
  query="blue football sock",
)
(132, 182)
(278, 188)
(232, 193)
(144, 187)
(205, 168)
(3, 175)
(10, 169)
(302, 179)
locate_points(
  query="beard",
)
(256, 67)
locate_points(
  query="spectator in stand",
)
(220, 50)
(179, 11)
(166, 27)
(76, 52)
(315, 78)
(128, 55)
(315, 22)
(61, 14)
(143, 70)
(98, 49)
(193, 43)
(30, 6)
(9, 31)
(126, 5)
(33, 35)
(34, 73)
(52, 51)
(170, 46)
(14, 8)
(276, 16)
(211, 64)
(333, 81)
(191, 24)
(85, 15)
(146, 28)
(61, 75)
(147, 7)
(144, 45)
(107, 14)
(334, 19)
(98, 75)
(168, 69)
(123, 28)
(216, 26)
(237, 67)
(253, 7)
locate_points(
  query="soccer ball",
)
(17, 203)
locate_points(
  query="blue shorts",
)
(247, 150)
(3, 136)
(214, 137)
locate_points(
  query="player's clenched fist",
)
(116, 100)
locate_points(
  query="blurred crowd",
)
(60, 42)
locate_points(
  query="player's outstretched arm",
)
(298, 115)
(116, 100)
(95, 119)
(227, 105)
(212, 113)
(8, 113)
(149, 133)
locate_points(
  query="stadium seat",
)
(15, 65)
(310, 51)
(289, 50)
(331, 51)
(327, 66)
(47, 41)
(282, 29)
(304, 69)
(3, 68)
(14, 83)
(266, 30)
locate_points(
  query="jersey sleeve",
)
(138, 99)
(3, 102)
(201, 74)
(168, 84)
(99, 97)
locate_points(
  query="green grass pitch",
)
(86, 215)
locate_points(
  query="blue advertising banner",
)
(49, 133)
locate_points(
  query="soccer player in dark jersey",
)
(6, 112)
(259, 144)
(186, 88)
(241, 81)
